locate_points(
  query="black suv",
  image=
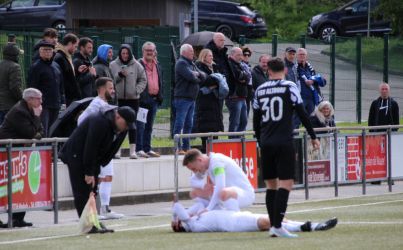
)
(232, 19)
(348, 20)
(21, 14)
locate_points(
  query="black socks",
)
(280, 206)
(270, 201)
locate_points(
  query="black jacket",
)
(93, 143)
(258, 77)
(220, 58)
(47, 77)
(71, 89)
(237, 80)
(145, 95)
(209, 115)
(316, 123)
(85, 80)
(21, 123)
(383, 112)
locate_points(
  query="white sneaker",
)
(153, 154)
(107, 214)
(281, 232)
(143, 154)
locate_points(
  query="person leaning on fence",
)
(237, 80)
(85, 72)
(209, 115)
(323, 116)
(23, 122)
(151, 98)
(50, 35)
(45, 75)
(187, 80)
(10, 79)
(130, 81)
(384, 110)
(63, 57)
(94, 143)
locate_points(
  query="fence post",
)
(333, 70)
(390, 159)
(242, 40)
(303, 41)
(336, 165)
(306, 185)
(55, 183)
(364, 164)
(135, 46)
(243, 154)
(274, 43)
(173, 40)
(10, 186)
(95, 39)
(176, 170)
(386, 58)
(359, 77)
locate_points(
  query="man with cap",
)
(45, 75)
(289, 60)
(94, 143)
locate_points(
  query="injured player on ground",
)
(189, 220)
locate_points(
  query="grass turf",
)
(368, 222)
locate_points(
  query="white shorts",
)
(106, 170)
(246, 222)
(245, 197)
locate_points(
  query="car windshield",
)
(246, 10)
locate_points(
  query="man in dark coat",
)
(45, 75)
(10, 80)
(23, 122)
(219, 53)
(63, 57)
(85, 72)
(94, 143)
(259, 72)
(49, 36)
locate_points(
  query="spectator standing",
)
(10, 79)
(219, 53)
(259, 72)
(384, 110)
(45, 75)
(85, 72)
(236, 101)
(102, 60)
(247, 53)
(63, 58)
(187, 80)
(209, 116)
(151, 98)
(23, 122)
(50, 35)
(323, 116)
(291, 67)
(130, 80)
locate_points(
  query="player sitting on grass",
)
(187, 220)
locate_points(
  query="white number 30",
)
(269, 109)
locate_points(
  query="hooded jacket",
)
(101, 61)
(71, 88)
(10, 78)
(383, 112)
(131, 86)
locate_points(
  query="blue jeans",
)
(238, 117)
(144, 130)
(184, 110)
(48, 117)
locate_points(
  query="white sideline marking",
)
(346, 206)
(372, 222)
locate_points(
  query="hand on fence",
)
(315, 144)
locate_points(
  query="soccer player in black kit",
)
(274, 104)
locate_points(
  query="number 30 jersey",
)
(274, 105)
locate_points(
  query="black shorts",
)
(278, 162)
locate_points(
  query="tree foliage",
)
(393, 9)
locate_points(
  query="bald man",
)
(216, 45)
(384, 110)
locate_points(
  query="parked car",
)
(348, 20)
(232, 19)
(21, 14)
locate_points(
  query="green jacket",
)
(10, 78)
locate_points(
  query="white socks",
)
(105, 189)
(231, 204)
(292, 226)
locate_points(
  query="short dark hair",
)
(50, 32)
(191, 156)
(276, 64)
(69, 38)
(101, 82)
(84, 41)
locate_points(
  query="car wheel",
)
(226, 30)
(326, 33)
(60, 25)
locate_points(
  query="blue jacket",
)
(186, 83)
(313, 92)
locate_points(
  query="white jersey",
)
(96, 105)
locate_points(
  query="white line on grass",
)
(371, 222)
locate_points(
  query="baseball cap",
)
(128, 115)
(290, 49)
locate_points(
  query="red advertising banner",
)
(319, 171)
(234, 150)
(375, 157)
(31, 180)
